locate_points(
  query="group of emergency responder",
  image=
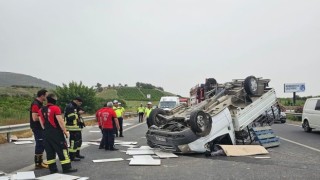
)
(110, 121)
(50, 131)
(144, 113)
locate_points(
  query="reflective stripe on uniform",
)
(71, 149)
(52, 161)
(73, 128)
(66, 157)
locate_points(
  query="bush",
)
(67, 93)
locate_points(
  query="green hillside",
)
(132, 94)
(108, 94)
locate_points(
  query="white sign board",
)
(294, 87)
(148, 96)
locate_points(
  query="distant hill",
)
(132, 94)
(8, 79)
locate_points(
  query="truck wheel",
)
(200, 123)
(306, 126)
(251, 85)
(155, 119)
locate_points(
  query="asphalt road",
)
(298, 157)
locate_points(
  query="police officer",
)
(147, 112)
(140, 112)
(119, 112)
(54, 131)
(74, 125)
(36, 128)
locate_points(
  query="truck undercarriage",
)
(222, 117)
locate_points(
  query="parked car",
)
(311, 114)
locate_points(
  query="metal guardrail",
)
(294, 114)
(22, 127)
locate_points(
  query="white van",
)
(169, 102)
(311, 114)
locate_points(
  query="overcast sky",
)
(174, 44)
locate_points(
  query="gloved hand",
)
(81, 125)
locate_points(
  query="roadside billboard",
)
(294, 87)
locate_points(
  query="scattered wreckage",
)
(225, 115)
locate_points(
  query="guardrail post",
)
(8, 136)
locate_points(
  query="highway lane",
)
(15, 157)
(289, 161)
(295, 133)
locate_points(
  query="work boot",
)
(73, 157)
(66, 168)
(71, 170)
(53, 168)
(39, 164)
(78, 155)
(113, 149)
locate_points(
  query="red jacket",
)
(106, 117)
(98, 116)
(53, 110)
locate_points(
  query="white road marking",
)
(293, 125)
(31, 167)
(133, 127)
(312, 148)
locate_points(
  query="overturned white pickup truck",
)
(223, 117)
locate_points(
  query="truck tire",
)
(155, 119)
(306, 126)
(251, 85)
(200, 122)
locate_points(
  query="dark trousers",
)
(108, 136)
(149, 122)
(120, 119)
(56, 144)
(75, 141)
(39, 138)
(141, 116)
(101, 146)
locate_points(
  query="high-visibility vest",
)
(147, 111)
(118, 111)
(141, 109)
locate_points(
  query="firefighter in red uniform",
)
(54, 131)
(36, 128)
(108, 120)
